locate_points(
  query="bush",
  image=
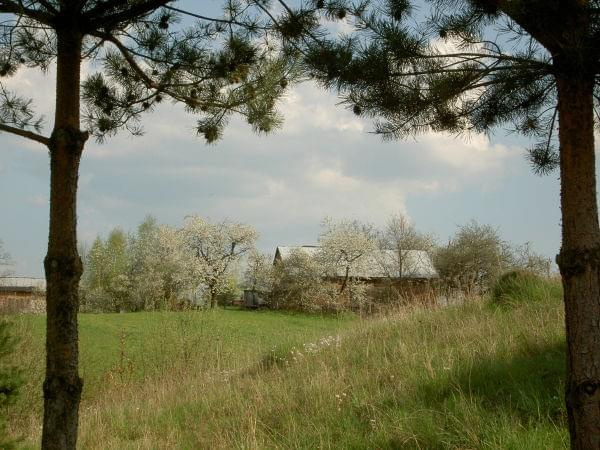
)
(10, 381)
(521, 286)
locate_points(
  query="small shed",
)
(22, 295)
(381, 264)
(407, 274)
(254, 299)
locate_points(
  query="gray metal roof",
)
(38, 284)
(381, 264)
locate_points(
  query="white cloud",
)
(308, 108)
(321, 163)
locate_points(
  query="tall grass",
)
(519, 286)
(469, 376)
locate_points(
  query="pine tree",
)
(474, 65)
(143, 56)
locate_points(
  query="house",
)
(409, 274)
(22, 295)
(381, 264)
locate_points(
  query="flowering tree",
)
(215, 247)
(347, 248)
(146, 270)
(258, 273)
(298, 284)
(401, 235)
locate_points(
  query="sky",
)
(322, 162)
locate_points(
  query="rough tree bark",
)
(62, 385)
(579, 258)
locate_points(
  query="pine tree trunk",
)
(579, 259)
(62, 385)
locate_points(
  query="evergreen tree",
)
(143, 56)
(473, 65)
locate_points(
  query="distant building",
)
(22, 295)
(382, 264)
(409, 275)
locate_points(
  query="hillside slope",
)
(473, 376)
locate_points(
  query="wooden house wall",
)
(16, 302)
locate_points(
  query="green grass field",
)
(472, 376)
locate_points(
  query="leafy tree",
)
(215, 248)
(147, 285)
(142, 57)
(473, 65)
(148, 270)
(106, 280)
(474, 258)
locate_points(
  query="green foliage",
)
(143, 54)
(519, 286)
(106, 280)
(230, 292)
(10, 380)
(141, 271)
(456, 65)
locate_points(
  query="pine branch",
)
(120, 18)
(9, 7)
(26, 134)
(49, 7)
(149, 82)
(209, 19)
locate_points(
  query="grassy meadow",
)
(470, 376)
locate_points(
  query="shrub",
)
(520, 286)
(10, 381)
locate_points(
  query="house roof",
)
(23, 284)
(416, 264)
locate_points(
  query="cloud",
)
(322, 162)
(307, 107)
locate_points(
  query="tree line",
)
(160, 267)
(206, 263)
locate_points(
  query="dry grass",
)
(472, 376)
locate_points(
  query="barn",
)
(22, 295)
(409, 274)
